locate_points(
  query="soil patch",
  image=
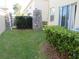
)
(52, 53)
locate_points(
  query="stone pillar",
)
(37, 20)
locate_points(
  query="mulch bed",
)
(52, 53)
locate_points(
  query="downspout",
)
(48, 11)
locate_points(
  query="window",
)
(51, 18)
(64, 12)
(67, 15)
(52, 11)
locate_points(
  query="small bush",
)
(63, 40)
(23, 22)
(29, 22)
(44, 23)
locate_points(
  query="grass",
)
(22, 44)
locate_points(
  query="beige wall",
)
(2, 24)
(59, 3)
(30, 9)
(44, 6)
(2, 21)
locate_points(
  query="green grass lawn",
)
(22, 44)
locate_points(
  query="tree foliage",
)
(17, 9)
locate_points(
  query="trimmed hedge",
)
(23, 22)
(63, 40)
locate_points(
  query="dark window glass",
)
(67, 15)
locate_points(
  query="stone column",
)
(37, 20)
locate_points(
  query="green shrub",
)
(20, 22)
(44, 23)
(23, 22)
(29, 22)
(63, 40)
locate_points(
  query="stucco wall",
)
(58, 3)
(30, 9)
(2, 24)
(2, 21)
(44, 6)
